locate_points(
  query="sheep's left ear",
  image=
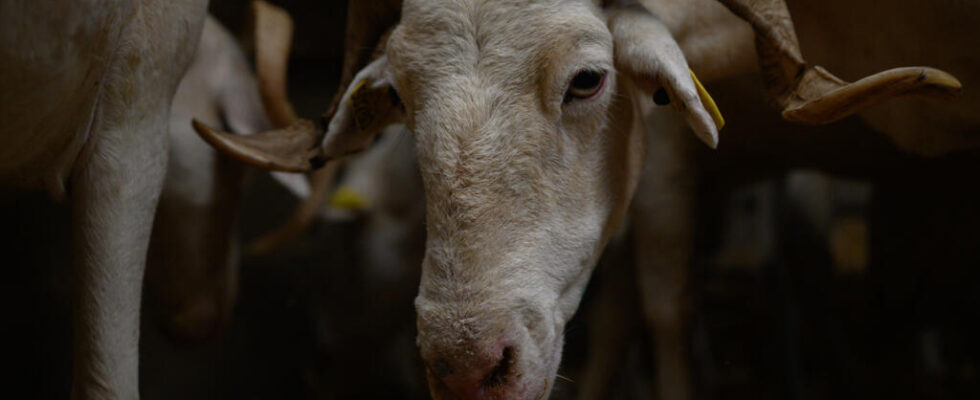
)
(645, 50)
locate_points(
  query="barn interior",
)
(805, 283)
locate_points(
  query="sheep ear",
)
(811, 94)
(369, 104)
(646, 51)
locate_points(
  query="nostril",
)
(498, 375)
(475, 376)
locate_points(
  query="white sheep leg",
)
(115, 192)
(664, 234)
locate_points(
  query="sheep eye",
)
(585, 84)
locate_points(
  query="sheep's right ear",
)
(369, 104)
(646, 51)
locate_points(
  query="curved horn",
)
(821, 99)
(367, 23)
(273, 35)
(295, 148)
(811, 94)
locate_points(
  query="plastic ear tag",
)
(709, 103)
(370, 104)
(345, 198)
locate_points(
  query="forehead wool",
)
(463, 66)
(439, 38)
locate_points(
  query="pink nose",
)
(475, 377)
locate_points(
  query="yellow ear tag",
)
(345, 198)
(370, 104)
(709, 103)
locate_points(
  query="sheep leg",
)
(663, 240)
